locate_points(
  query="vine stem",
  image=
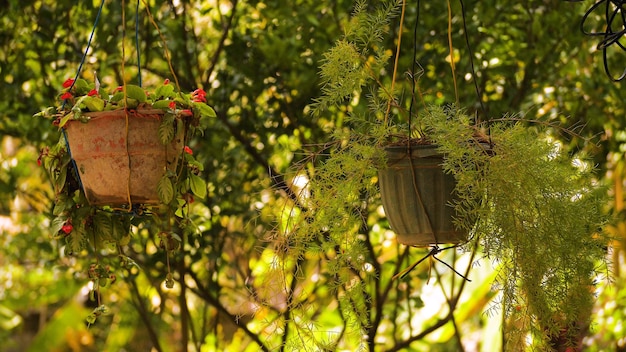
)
(395, 64)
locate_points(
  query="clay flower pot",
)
(119, 158)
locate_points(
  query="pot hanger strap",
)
(420, 202)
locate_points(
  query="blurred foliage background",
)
(258, 61)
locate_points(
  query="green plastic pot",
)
(417, 196)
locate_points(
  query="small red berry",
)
(188, 150)
(67, 228)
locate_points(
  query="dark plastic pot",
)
(417, 196)
(119, 163)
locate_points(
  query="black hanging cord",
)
(414, 73)
(415, 64)
(432, 253)
(614, 30)
(479, 94)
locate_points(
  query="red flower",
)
(166, 82)
(188, 150)
(67, 228)
(66, 95)
(172, 105)
(187, 112)
(68, 83)
(118, 89)
(92, 93)
(199, 95)
(39, 161)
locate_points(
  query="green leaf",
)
(65, 119)
(102, 227)
(165, 189)
(135, 92)
(162, 104)
(198, 185)
(193, 162)
(46, 113)
(57, 224)
(132, 103)
(205, 110)
(93, 103)
(164, 91)
(117, 97)
(60, 207)
(75, 240)
(119, 232)
(60, 178)
(82, 87)
(166, 129)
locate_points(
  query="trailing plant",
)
(82, 226)
(532, 208)
(537, 212)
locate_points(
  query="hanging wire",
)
(166, 51)
(395, 65)
(82, 61)
(432, 254)
(126, 112)
(80, 66)
(413, 73)
(613, 32)
(137, 47)
(451, 48)
(479, 94)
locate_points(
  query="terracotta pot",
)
(119, 163)
(417, 196)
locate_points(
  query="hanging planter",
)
(125, 147)
(119, 156)
(121, 151)
(417, 196)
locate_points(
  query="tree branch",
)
(220, 45)
(203, 293)
(277, 179)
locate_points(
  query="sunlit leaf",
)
(198, 185)
(166, 129)
(165, 190)
(135, 92)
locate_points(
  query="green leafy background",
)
(236, 290)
